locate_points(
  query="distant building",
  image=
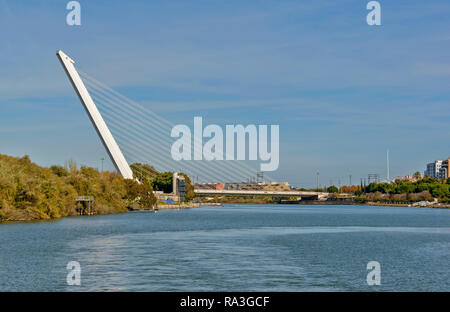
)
(443, 172)
(208, 186)
(408, 178)
(272, 186)
(438, 169)
(433, 168)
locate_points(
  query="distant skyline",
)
(342, 92)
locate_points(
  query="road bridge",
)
(280, 194)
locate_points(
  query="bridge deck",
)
(266, 193)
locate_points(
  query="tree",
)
(163, 182)
(332, 189)
(143, 172)
(140, 193)
(417, 175)
(428, 179)
(59, 171)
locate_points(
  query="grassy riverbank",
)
(356, 201)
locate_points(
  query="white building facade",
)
(437, 169)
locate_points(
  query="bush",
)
(423, 189)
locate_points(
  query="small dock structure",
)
(87, 205)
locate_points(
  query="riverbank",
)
(178, 206)
(220, 204)
(437, 205)
(18, 219)
(243, 200)
(29, 192)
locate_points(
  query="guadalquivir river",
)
(233, 248)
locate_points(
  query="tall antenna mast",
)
(387, 165)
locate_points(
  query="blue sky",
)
(342, 91)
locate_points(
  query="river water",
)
(233, 248)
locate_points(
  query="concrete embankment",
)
(432, 205)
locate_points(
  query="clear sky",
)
(342, 91)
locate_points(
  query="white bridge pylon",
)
(96, 118)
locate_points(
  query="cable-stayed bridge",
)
(132, 133)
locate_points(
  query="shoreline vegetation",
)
(417, 192)
(29, 192)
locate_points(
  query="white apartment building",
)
(437, 169)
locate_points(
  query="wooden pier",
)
(87, 205)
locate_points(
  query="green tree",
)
(143, 172)
(59, 171)
(163, 182)
(332, 189)
(140, 193)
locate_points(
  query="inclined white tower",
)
(100, 126)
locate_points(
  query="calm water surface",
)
(233, 248)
